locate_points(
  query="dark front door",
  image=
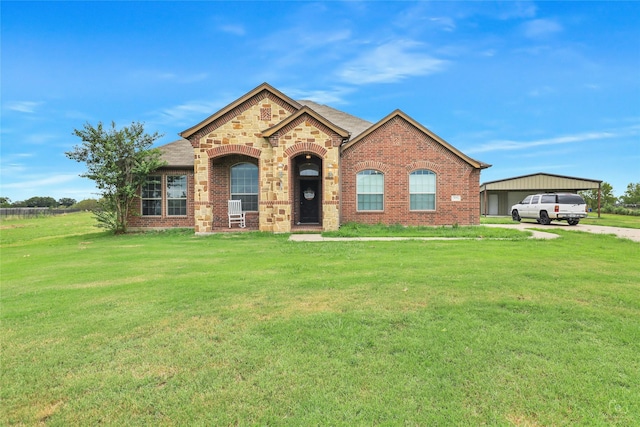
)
(309, 201)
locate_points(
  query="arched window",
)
(422, 190)
(309, 169)
(370, 190)
(244, 185)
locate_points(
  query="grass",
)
(168, 328)
(379, 230)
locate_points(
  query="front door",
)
(309, 201)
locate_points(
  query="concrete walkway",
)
(625, 233)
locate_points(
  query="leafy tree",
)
(632, 195)
(118, 161)
(86, 205)
(5, 202)
(40, 202)
(66, 201)
(607, 198)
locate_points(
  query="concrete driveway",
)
(625, 233)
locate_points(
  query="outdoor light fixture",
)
(308, 156)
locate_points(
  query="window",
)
(152, 196)
(176, 195)
(309, 169)
(422, 190)
(535, 200)
(244, 185)
(370, 190)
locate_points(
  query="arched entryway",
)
(308, 190)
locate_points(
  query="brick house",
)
(302, 165)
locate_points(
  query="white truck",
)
(548, 207)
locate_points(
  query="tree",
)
(5, 202)
(66, 201)
(118, 161)
(607, 198)
(40, 202)
(632, 195)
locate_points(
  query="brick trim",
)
(371, 164)
(423, 164)
(225, 150)
(305, 147)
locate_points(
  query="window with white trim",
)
(244, 185)
(151, 195)
(422, 190)
(370, 190)
(176, 195)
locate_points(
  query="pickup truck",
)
(548, 207)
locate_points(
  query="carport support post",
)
(599, 192)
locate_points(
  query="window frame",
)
(156, 180)
(183, 200)
(418, 172)
(369, 172)
(238, 194)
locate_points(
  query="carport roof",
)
(539, 181)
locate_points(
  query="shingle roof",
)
(177, 153)
(180, 152)
(353, 124)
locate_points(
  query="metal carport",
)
(497, 197)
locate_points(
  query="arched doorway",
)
(308, 189)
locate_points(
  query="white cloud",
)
(330, 96)
(541, 28)
(509, 145)
(185, 114)
(24, 106)
(391, 62)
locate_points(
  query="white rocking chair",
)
(236, 216)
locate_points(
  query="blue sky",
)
(525, 86)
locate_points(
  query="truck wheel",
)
(515, 216)
(544, 218)
(573, 221)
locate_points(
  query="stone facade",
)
(307, 157)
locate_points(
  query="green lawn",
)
(174, 329)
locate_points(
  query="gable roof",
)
(541, 180)
(398, 113)
(264, 86)
(306, 110)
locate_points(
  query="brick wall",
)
(139, 222)
(397, 148)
